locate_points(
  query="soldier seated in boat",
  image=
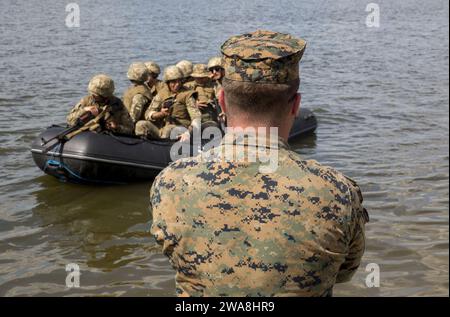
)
(101, 94)
(137, 97)
(206, 97)
(174, 107)
(187, 68)
(153, 82)
(217, 73)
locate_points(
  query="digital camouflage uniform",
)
(230, 229)
(104, 86)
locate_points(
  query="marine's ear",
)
(222, 101)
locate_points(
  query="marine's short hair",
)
(259, 99)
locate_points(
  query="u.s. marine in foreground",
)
(230, 229)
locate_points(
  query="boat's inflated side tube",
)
(104, 158)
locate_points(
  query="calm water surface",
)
(380, 94)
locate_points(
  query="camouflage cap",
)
(200, 71)
(138, 72)
(263, 57)
(101, 85)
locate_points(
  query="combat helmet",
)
(172, 73)
(200, 71)
(153, 67)
(138, 72)
(186, 68)
(215, 62)
(101, 85)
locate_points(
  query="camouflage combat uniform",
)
(118, 114)
(189, 84)
(205, 94)
(186, 68)
(157, 87)
(102, 85)
(230, 229)
(216, 62)
(154, 69)
(183, 113)
(138, 97)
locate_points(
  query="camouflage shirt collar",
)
(267, 141)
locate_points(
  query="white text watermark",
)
(239, 144)
(73, 275)
(373, 18)
(73, 16)
(373, 278)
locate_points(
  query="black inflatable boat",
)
(108, 159)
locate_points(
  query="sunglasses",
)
(215, 69)
(153, 75)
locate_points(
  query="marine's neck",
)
(245, 122)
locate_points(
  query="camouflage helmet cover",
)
(215, 62)
(172, 73)
(186, 67)
(200, 71)
(153, 67)
(263, 56)
(138, 72)
(101, 85)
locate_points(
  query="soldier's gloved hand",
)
(92, 109)
(185, 137)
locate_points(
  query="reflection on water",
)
(304, 145)
(90, 226)
(381, 98)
